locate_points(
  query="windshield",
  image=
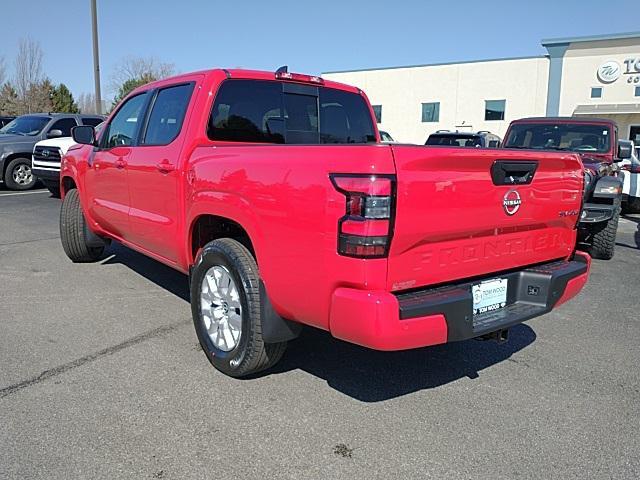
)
(564, 136)
(26, 125)
(455, 140)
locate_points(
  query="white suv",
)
(630, 170)
(46, 158)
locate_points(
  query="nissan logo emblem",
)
(511, 202)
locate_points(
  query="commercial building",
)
(587, 76)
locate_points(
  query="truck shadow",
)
(363, 374)
(372, 376)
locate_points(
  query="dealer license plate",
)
(489, 295)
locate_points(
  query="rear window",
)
(93, 121)
(455, 140)
(273, 112)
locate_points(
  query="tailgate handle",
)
(512, 173)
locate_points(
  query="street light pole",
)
(96, 61)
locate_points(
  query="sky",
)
(310, 37)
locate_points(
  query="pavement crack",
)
(92, 357)
(29, 241)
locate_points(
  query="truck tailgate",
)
(462, 213)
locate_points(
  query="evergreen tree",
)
(9, 101)
(130, 85)
(62, 100)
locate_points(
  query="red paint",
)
(448, 221)
(370, 318)
(575, 285)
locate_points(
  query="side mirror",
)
(54, 133)
(84, 134)
(624, 150)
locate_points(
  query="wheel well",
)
(210, 227)
(67, 184)
(11, 157)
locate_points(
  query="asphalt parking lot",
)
(102, 377)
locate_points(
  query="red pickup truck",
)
(275, 194)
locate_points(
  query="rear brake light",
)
(299, 77)
(366, 228)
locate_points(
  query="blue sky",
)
(311, 37)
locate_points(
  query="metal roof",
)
(590, 38)
(398, 67)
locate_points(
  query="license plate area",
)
(489, 295)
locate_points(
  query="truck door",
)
(154, 172)
(106, 176)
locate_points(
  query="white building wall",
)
(461, 90)
(579, 75)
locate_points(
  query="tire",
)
(603, 238)
(18, 175)
(72, 231)
(633, 204)
(246, 353)
(53, 188)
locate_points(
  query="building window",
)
(596, 92)
(431, 112)
(637, 91)
(494, 109)
(377, 111)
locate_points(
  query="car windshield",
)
(573, 137)
(454, 140)
(26, 125)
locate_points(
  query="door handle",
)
(165, 167)
(120, 164)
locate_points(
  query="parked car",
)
(47, 156)
(277, 197)
(596, 141)
(385, 137)
(4, 120)
(481, 139)
(630, 171)
(18, 137)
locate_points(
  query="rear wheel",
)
(226, 308)
(603, 237)
(18, 175)
(53, 188)
(633, 204)
(73, 233)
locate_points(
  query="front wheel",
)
(18, 175)
(603, 238)
(633, 205)
(226, 309)
(73, 231)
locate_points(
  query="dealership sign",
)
(611, 71)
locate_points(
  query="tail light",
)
(299, 77)
(366, 228)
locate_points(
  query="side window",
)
(247, 111)
(93, 121)
(167, 114)
(344, 118)
(64, 125)
(123, 128)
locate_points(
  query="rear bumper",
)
(384, 321)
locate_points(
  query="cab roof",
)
(589, 120)
(245, 74)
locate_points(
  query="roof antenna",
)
(282, 69)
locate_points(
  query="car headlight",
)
(588, 181)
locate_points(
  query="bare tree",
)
(87, 103)
(28, 70)
(132, 67)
